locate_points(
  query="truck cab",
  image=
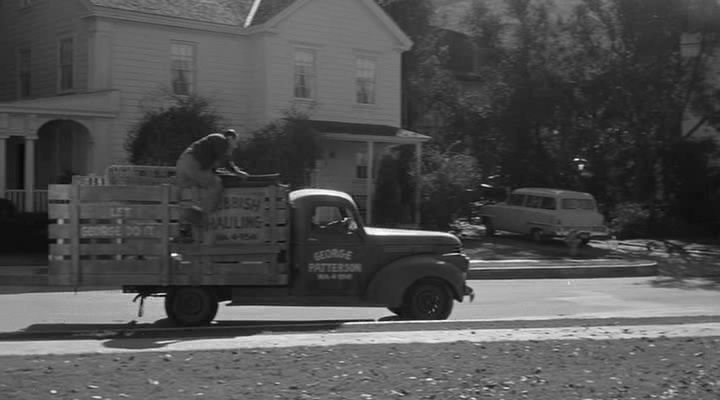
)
(336, 256)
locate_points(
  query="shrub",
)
(163, 134)
(444, 189)
(288, 146)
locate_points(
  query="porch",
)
(37, 201)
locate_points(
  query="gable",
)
(285, 8)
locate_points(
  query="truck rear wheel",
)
(489, 226)
(191, 306)
(427, 300)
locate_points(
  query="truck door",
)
(330, 257)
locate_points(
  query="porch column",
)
(3, 165)
(369, 183)
(30, 173)
(418, 181)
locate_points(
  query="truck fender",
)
(389, 284)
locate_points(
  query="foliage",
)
(163, 133)
(446, 179)
(288, 146)
(605, 81)
(394, 197)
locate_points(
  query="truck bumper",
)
(468, 291)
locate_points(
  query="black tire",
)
(584, 242)
(428, 300)
(489, 226)
(536, 235)
(191, 306)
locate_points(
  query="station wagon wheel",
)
(428, 300)
(489, 226)
(536, 235)
(191, 306)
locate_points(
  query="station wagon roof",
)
(552, 192)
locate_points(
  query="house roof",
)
(240, 13)
(266, 9)
(226, 12)
(356, 129)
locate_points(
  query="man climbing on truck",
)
(195, 168)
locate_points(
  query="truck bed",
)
(125, 234)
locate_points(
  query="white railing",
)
(17, 197)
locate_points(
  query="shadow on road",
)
(160, 333)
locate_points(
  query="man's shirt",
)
(211, 151)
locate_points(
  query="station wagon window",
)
(548, 203)
(182, 68)
(578, 204)
(304, 74)
(516, 199)
(533, 201)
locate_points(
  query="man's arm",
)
(233, 168)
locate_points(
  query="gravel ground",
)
(662, 368)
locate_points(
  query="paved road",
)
(495, 300)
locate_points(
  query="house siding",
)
(141, 70)
(337, 30)
(39, 28)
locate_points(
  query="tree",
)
(163, 133)
(446, 179)
(414, 18)
(288, 146)
(608, 83)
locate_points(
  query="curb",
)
(562, 270)
(20, 279)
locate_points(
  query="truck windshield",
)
(578, 204)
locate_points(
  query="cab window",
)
(332, 220)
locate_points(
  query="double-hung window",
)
(365, 79)
(361, 166)
(24, 80)
(67, 65)
(182, 68)
(304, 86)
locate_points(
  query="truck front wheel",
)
(191, 306)
(427, 300)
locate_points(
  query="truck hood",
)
(437, 241)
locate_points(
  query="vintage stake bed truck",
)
(271, 246)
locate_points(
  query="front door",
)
(332, 261)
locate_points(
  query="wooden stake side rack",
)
(120, 230)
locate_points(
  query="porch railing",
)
(39, 203)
